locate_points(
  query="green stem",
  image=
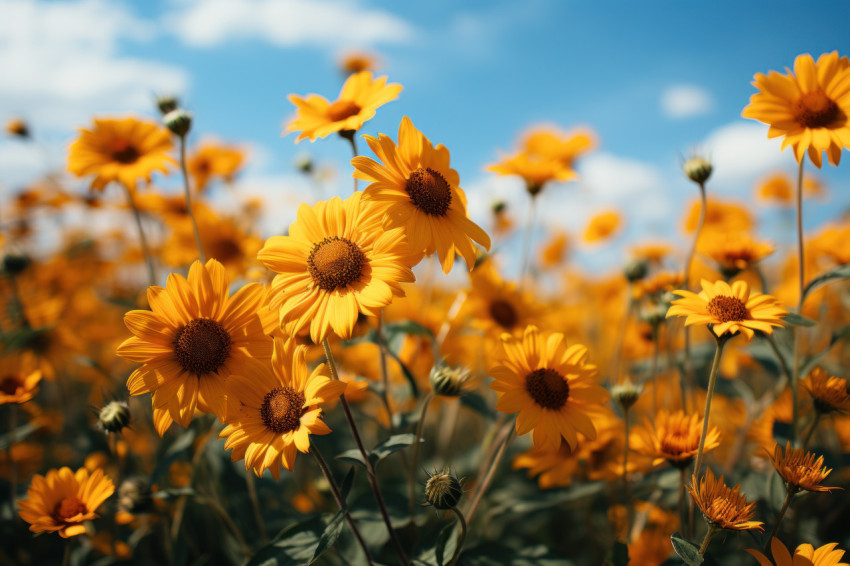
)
(707, 539)
(370, 471)
(340, 501)
(795, 373)
(811, 431)
(712, 380)
(525, 259)
(198, 243)
(655, 351)
(460, 539)
(66, 557)
(491, 472)
(255, 505)
(349, 135)
(385, 379)
(789, 494)
(142, 239)
(13, 467)
(689, 369)
(415, 458)
(627, 488)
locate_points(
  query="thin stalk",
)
(349, 135)
(811, 431)
(689, 369)
(13, 467)
(627, 488)
(411, 484)
(631, 305)
(66, 557)
(801, 260)
(712, 380)
(16, 294)
(460, 539)
(490, 473)
(683, 512)
(525, 259)
(711, 530)
(385, 379)
(340, 501)
(198, 243)
(655, 348)
(789, 494)
(370, 471)
(225, 519)
(255, 505)
(142, 239)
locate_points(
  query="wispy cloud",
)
(741, 152)
(686, 101)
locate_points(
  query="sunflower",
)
(808, 107)
(719, 215)
(723, 507)
(564, 146)
(413, 187)
(359, 99)
(193, 338)
(674, 437)
(829, 393)
(497, 306)
(549, 385)
(335, 264)
(273, 409)
(120, 150)
(734, 251)
(804, 555)
(62, 500)
(799, 469)
(212, 160)
(602, 226)
(728, 309)
(536, 170)
(19, 378)
(778, 189)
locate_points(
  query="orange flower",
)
(674, 437)
(602, 226)
(800, 469)
(724, 507)
(804, 555)
(829, 393)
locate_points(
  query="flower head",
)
(800, 469)
(443, 490)
(733, 251)
(19, 378)
(674, 437)
(804, 555)
(63, 500)
(124, 151)
(536, 170)
(728, 310)
(724, 507)
(214, 160)
(829, 393)
(360, 97)
(808, 108)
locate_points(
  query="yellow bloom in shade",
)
(335, 263)
(673, 437)
(728, 309)
(602, 226)
(194, 337)
(549, 385)
(497, 306)
(800, 469)
(808, 107)
(804, 555)
(724, 507)
(359, 99)
(273, 409)
(212, 160)
(63, 500)
(120, 150)
(829, 393)
(414, 188)
(19, 378)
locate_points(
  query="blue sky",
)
(655, 80)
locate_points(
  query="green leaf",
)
(352, 456)
(445, 548)
(478, 404)
(687, 551)
(795, 319)
(293, 546)
(408, 375)
(618, 555)
(347, 482)
(837, 336)
(330, 535)
(837, 272)
(390, 446)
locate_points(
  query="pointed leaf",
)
(838, 272)
(330, 535)
(352, 456)
(795, 319)
(390, 446)
(347, 482)
(687, 551)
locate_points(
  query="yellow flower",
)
(809, 107)
(602, 226)
(800, 469)
(562, 146)
(335, 263)
(213, 160)
(778, 189)
(194, 337)
(414, 188)
(728, 310)
(724, 507)
(359, 99)
(357, 62)
(722, 215)
(18, 128)
(549, 385)
(832, 242)
(804, 555)
(497, 306)
(674, 437)
(733, 251)
(120, 150)
(61, 501)
(535, 170)
(273, 409)
(829, 393)
(19, 378)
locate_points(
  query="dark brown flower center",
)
(67, 508)
(225, 250)
(429, 191)
(10, 383)
(548, 388)
(202, 346)
(336, 262)
(727, 309)
(282, 409)
(503, 313)
(125, 153)
(816, 110)
(342, 109)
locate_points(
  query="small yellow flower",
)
(724, 507)
(829, 393)
(674, 437)
(804, 555)
(800, 469)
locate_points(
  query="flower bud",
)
(654, 313)
(135, 496)
(15, 264)
(635, 269)
(178, 121)
(626, 394)
(443, 490)
(498, 207)
(18, 128)
(304, 163)
(167, 103)
(697, 169)
(114, 416)
(449, 381)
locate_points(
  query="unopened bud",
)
(635, 269)
(304, 163)
(114, 416)
(167, 104)
(498, 207)
(654, 313)
(134, 495)
(178, 121)
(697, 169)
(626, 394)
(443, 490)
(449, 381)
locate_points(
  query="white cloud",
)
(686, 101)
(741, 152)
(286, 23)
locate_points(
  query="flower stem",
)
(255, 505)
(789, 494)
(655, 351)
(142, 239)
(811, 431)
(689, 369)
(712, 380)
(460, 539)
(340, 501)
(627, 488)
(370, 471)
(13, 466)
(525, 259)
(415, 458)
(711, 530)
(66, 557)
(683, 513)
(801, 260)
(201, 254)
(385, 379)
(491, 472)
(349, 135)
